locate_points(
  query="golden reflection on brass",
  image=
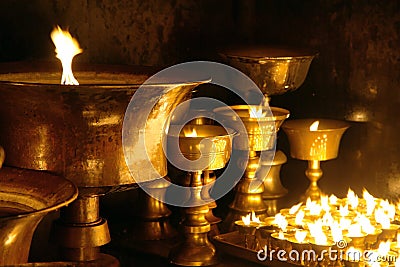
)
(152, 218)
(26, 196)
(273, 188)
(259, 135)
(314, 146)
(213, 153)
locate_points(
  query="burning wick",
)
(314, 126)
(66, 48)
(189, 133)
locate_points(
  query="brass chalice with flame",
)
(261, 125)
(314, 140)
(197, 148)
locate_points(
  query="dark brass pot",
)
(75, 131)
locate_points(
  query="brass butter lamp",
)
(197, 148)
(259, 134)
(314, 140)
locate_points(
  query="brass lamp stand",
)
(261, 136)
(209, 150)
(314, 140)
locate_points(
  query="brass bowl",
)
(26, 196)
(76, 131)
(209, 150)
(322, 144)
(276, 70)
(258, 134)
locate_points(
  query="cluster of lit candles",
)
(353, 225)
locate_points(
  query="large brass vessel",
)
(76, 131)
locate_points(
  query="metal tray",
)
(233, 244)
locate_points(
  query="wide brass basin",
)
(76, 131)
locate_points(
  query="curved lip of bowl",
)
(61, 203)
(284, 113)
(259, 53)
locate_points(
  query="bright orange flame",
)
(66, 48)
(188, 133)
(382, 218)
(352, 198)
(256, 112)
(300, 235)
(314, 126)
(295, 208)
(355, 230)
(299, 218)
(333, 199)
(281, 221)
(336, 232)
(313, 207)
(370, 201)
(317, 232)
(254, 218)
(246, 219)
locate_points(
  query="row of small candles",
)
(352, 224)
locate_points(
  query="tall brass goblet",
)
(260, 135)
(314, 140)
(197, 148)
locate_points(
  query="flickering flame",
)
(344, 210)
(327, 219)
(300, 236)
(295, 208)
(299, 218)
(336, 232)
(382, 218)
(281, 235)
(370, 201)
(314, 126)
(246, 219)
(345, 223)
(66, 48)
(355, 230)
(325, 204)
(388, 208)
(190, 133)
(313, 207)
(365, 223)
(281, 221)
(352, 199)
(333, 199)
(254, 218)
(250, 218)
(317, 232)
(384, 248)
(256, 112)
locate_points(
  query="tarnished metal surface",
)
(76, 131)
(26, 196)
(275, 70)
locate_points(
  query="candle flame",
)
(254, 218)
(295, 208)
(384, 248)
(314, 126)
(246, 219)
(66, 48)
(355, 230)
(352, 198)
(299, 218)
(281, 221)
(365, 223)
(300, 235)
(336, 232)
(190, 133)
(370, 201)
(317, 232)
(382, 218)
(333, 199)
(313, 207)
(344, 210)
(256, 112)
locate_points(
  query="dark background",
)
(355, 77)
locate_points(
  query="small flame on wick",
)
(256, 112)
(66, 48)
(314, 126)
(188, 133)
